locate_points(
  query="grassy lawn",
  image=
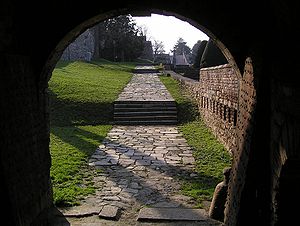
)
(210, 155)
(81, 103)
(83, 93)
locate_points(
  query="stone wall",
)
(27, 60)
(227, 105)
(25, 156)
(217, 96)
(219, 102)
(244, 131)
(82, 48)
(285, 143)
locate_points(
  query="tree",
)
(199, 53)
(158, 47)
(212, 55)
(181, 47)
(119, 39)
(143, 31)
(195, 50)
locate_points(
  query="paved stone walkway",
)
(145, 87)
(137, 166)
(140, 165)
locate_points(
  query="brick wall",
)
(227, 104)
(217, 96)
(244, 130)
(285, 143)
(25, 156)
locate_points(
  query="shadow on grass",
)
(187, 112)
(78, 138)
(68, 113)
(70, 148)
(63, 63)
(125, 66)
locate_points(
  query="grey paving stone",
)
(174, 214)
(82, 211)
(111, 198)
(166, 205)
(143, 162)
(109, 212)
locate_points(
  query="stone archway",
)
(25, 47)
(231, 61)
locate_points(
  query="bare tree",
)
(158, 47)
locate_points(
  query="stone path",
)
(145, 87)
(145, 101)
(137, 166)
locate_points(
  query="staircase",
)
(145, 112)
(145, 70)
(145, 100)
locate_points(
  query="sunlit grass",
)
(210, 155)
(81, 103)
(83, 93)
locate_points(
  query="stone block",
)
(110, 212)
(174, 214)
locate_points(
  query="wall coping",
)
(180, 77)
(216, 67)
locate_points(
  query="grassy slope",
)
(82, 93)
(210, 155)
(81, 97)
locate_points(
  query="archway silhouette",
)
(253, 30)
(71, 36)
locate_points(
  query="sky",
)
(169, 29)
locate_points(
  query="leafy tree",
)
(181, 47)
(212, 55)
(199, 53)
(119, 39)
(194, 50)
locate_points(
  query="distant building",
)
(180, 63)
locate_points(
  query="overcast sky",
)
(169, 29)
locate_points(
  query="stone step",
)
(144, 103)
(145, 106)
(144, 113)
(158, 112)
(146, 122)
(145, 117)
(151, 109)
(145, 70)
(172, 214)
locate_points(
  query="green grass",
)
(83, 93)
(81, 103)
(210, 155)
(70, 149)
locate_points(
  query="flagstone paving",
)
(145, 87)
(140, 166)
